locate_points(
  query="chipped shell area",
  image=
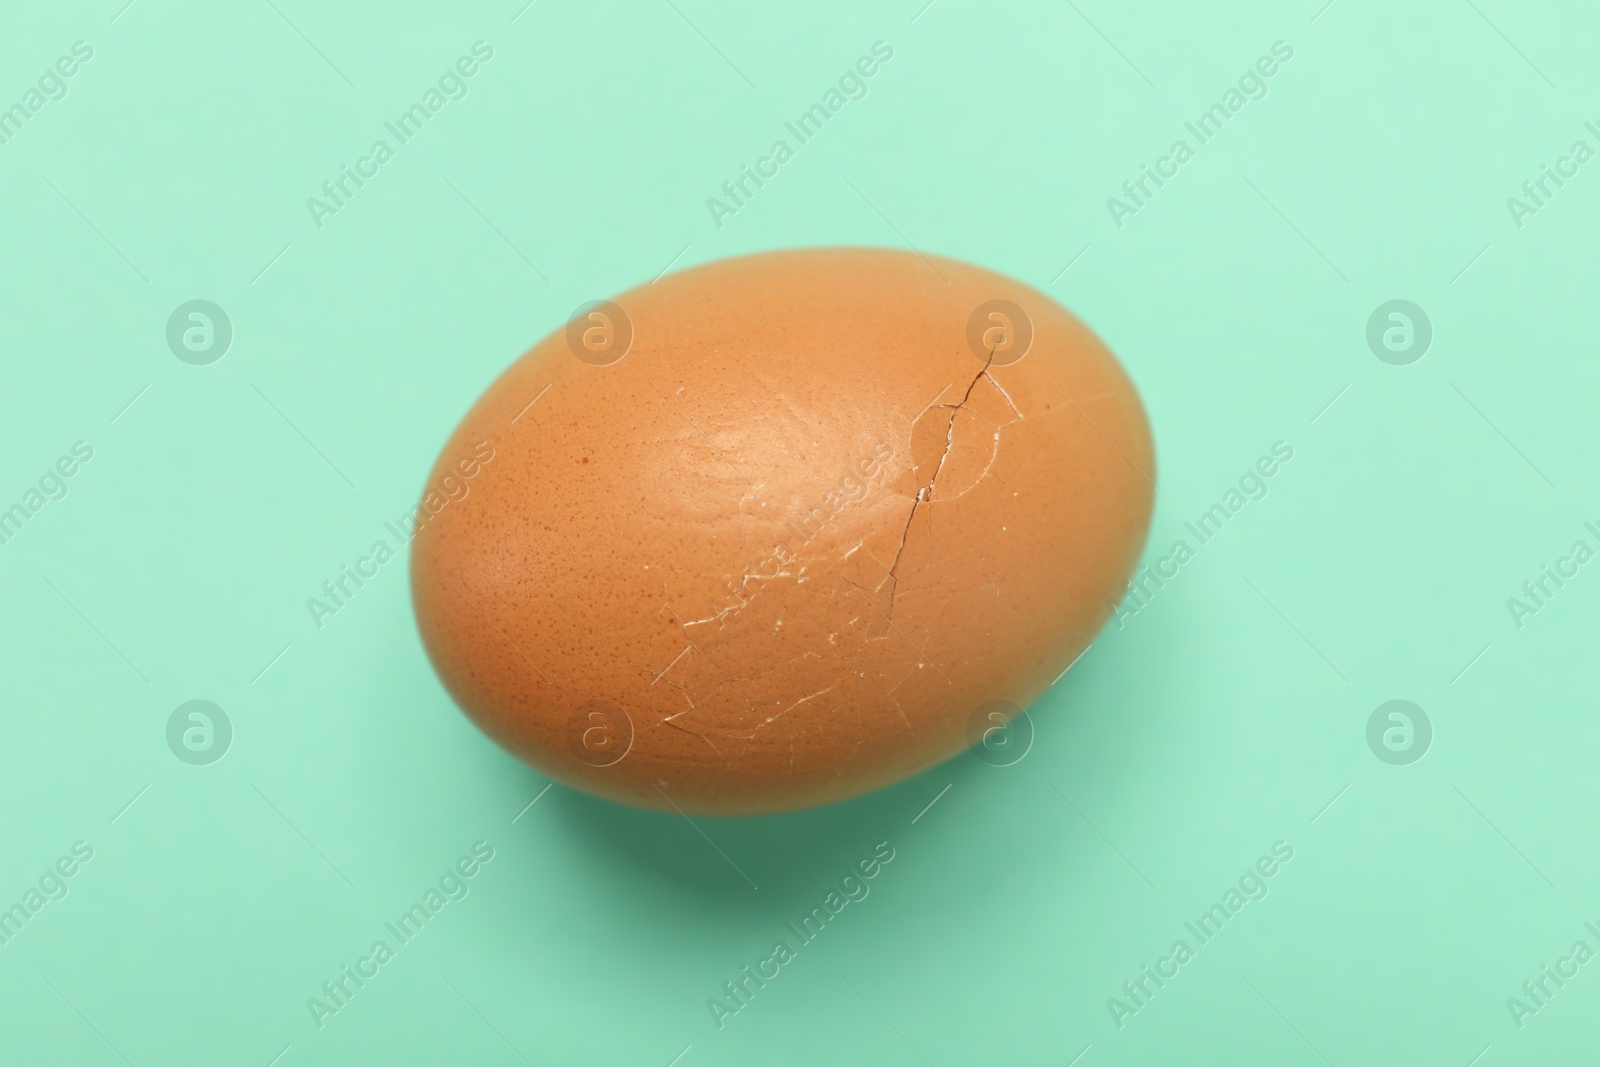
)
(791, 541)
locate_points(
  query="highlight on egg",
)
(780, 530)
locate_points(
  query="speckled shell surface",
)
(828, 509)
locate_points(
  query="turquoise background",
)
(1223, 717)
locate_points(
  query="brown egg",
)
(779, 530)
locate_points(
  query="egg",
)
(778, 530)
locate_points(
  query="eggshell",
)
(779, 530)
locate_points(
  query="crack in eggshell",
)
(928, 494)
(993, 450)
(925, 495)
(927, 490)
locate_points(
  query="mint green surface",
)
(1222, 717)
